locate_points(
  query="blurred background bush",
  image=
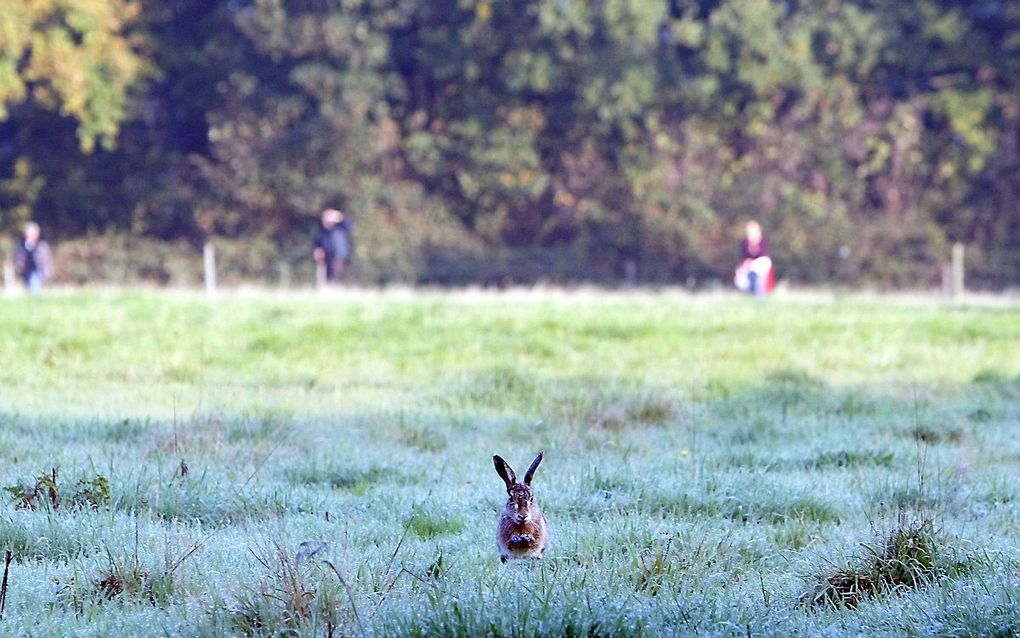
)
(516, 141)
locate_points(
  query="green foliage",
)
(92, 493)
(851, 459)
(74, 57)
(124, 260)
(428, 522)
(522, 141)
(31, 495)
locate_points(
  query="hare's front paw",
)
(522, 539)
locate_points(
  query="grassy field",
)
(314, 466)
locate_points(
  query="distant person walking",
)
(754, 274)
(333, 247)
(33, 260)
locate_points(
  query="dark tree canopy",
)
(528, 139)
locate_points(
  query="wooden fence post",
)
(952, 273)
(209, 260)
(630, 273)
(9, 277)
(284, 269)
(957, 268)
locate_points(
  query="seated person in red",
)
(754, 274)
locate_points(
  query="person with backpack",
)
(333, 247)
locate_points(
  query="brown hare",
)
(523, 530)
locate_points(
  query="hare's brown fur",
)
(523, 530)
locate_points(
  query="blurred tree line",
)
(522, 139)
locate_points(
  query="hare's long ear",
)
(505, 471)
(531, 470)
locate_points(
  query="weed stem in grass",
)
(258, 467)
(350, 595)
(3, 587)
(393, 557)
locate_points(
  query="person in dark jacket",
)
(33, 260)
(333, 247)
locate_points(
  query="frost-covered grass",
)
(712, 465)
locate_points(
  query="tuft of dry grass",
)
(296, 593)
(905, 560)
